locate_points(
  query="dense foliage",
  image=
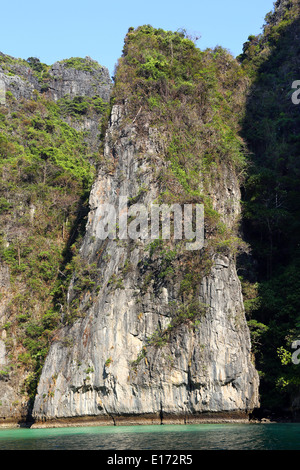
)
(272, 201)
(47, 168)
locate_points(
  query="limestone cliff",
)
(89, 79)
(148, 331)
(32, 121)
(107, 364)
(123, 329)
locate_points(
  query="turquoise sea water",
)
(167, 437)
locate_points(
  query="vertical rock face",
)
(122, 359)
(22, 85)
(89, 81)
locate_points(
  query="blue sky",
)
(61, 29)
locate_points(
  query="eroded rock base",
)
(151, 419)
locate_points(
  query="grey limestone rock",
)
(64, 80)
(71, 82)
(98, 367)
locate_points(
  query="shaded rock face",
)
(103, 365)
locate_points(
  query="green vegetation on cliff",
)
(271, 199)
(47, 169)
(194, 97)
(194, 101)
(221, 122)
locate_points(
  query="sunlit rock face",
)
(103, 365)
